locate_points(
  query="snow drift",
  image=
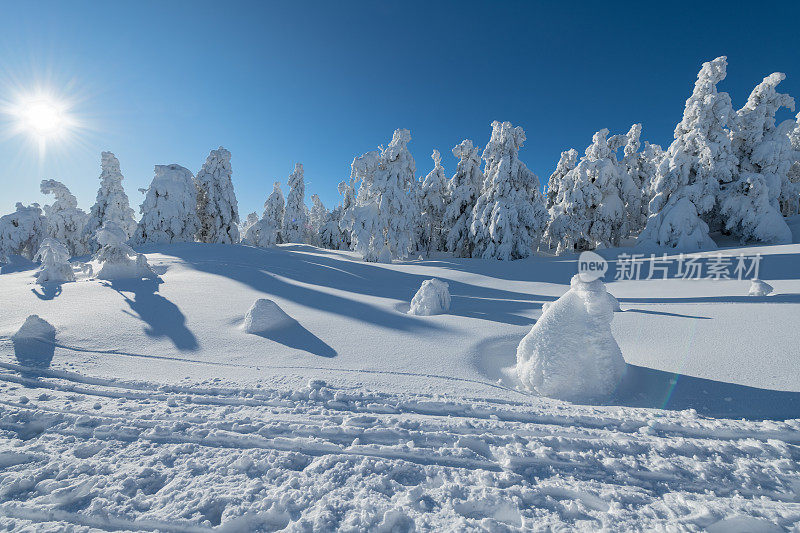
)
(759, 288)
(432, 298)
(570, 352)
(265, 316)
(34, 342)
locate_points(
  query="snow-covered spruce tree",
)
(169, 210)
(65, 221)
(116, 260)
(635, 165)
(433, 200)
(22, 231)
(330, 235)
(295, 217)
(687, 182)
(337, 234)
(509, 217)
(750, 204)
(567, 161)
(112, 203)
(54, 258)
(381, 224)
(267, 231)
(790, 197)
(318, 218)
(463, 191)
(592, 196)
(244, 225)
(217, 207)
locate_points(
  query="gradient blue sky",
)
(321, 82)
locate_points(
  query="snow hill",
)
(155, 410)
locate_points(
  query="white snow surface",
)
(432, 298)
(570, 352)
(265, 316)
(154, 411)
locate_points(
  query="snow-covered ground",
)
(155, 410)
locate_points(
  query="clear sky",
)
(321, 82)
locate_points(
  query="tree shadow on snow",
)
(48, 291)
(295, 274)
(646, 387)
(664, 313)
(163, 318)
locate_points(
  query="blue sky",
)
(321, 82)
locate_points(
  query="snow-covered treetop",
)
(52, 250)
(64, 198)
(567, 161)
(505, 142)
(632, 143)
(757, 117)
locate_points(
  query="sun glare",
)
(41, 118)
(44, 118)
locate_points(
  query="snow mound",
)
(759, 288)
(265, 316)
(432, 298)
(570, 352)
(34, 342)
(117, 260)
(55, 266)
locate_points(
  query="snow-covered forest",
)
(731, 171)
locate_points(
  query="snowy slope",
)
(155, 410)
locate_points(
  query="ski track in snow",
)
(114, 455)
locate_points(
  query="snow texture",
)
(65, 221)
(509, 217)
(169, 210)
(267, 231)
(116, 260)
(55, 266)
(217, 208)
(432, 298)
(112, 203)
(687, 182)
(570, 353)
(759, 288)
(463, 190)
(295, 217)
(22, 231)
(265, 316)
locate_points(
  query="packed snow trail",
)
(115, 455)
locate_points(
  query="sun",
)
(42, 117)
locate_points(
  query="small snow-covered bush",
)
(118, 260)
(759, 288)
(432, 298)
(54, 257)
(570, 352)
(265, 316)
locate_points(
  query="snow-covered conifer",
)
(251, 219)
(790, 196)
(463, 191)
(592, 197)
(381, 223)
(317, 219)
(65, 220)
(750, 204)
(112, 202)
(267, 231)
(169, 210)
(567, 161)
(54, 257)
(433, 199)
(22, 231)
(116, 259)
(687, 182)
(217, 207)
(635, 164)
(295, 217)
(509, 216)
